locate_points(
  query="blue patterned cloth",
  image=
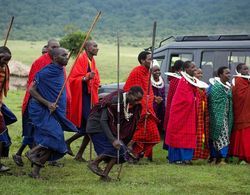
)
(103, 147)
(9, 118)
(49, 127)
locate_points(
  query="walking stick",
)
(8, 32)
(149, 78)
(90, 141)
(118, 105)
(80, 51)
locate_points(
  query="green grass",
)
(27, 51)
(158, 177)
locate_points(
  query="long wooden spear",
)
(80, 51)
(118, 104)
(149, 78)
(118, 94)
(8, 32)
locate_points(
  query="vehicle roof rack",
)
(150, 48)
(165, 40)
(213, 38)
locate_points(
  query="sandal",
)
(3, 168)
(33, 161)
(18, 160)
(95, 169)
(34, 176)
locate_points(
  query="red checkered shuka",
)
(139, 76)
(181, 130)
(202, 131)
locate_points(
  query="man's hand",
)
(117, 144)
(158, 99)
(89, 76)
(52, 107)
(147, 115)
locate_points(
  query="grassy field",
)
(157, 177)
(26, 52)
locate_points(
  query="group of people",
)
(195, 120)
(207, 121)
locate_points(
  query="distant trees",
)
(42, 20)
(73, 41)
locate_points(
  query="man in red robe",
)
(27, 126)
(146, 134)
(181, 134)
(84, 82)
(240, 144)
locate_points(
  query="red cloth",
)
(149, 152)
(139, 76)
(241, 103)
(239, 140)
(202, 147)
(4, 86)
(35, 67)
(173, 83)
(240, 144)
(75, 82)
(182, 120)
(143, 148)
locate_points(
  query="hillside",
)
(39, 20)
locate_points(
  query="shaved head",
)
(60, 56)
(52, 44)
(88, 44)
(91, 48)
(52, 41)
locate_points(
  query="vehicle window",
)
(181, 56)
(159, 61)
(238, 57)
(212, 60)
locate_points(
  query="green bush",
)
(73, 41)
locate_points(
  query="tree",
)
(73, 41)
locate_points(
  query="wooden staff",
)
(8, 32)
(80, 51)
(149, 78)
(66, 80)
(118, 95)
(118, 104)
